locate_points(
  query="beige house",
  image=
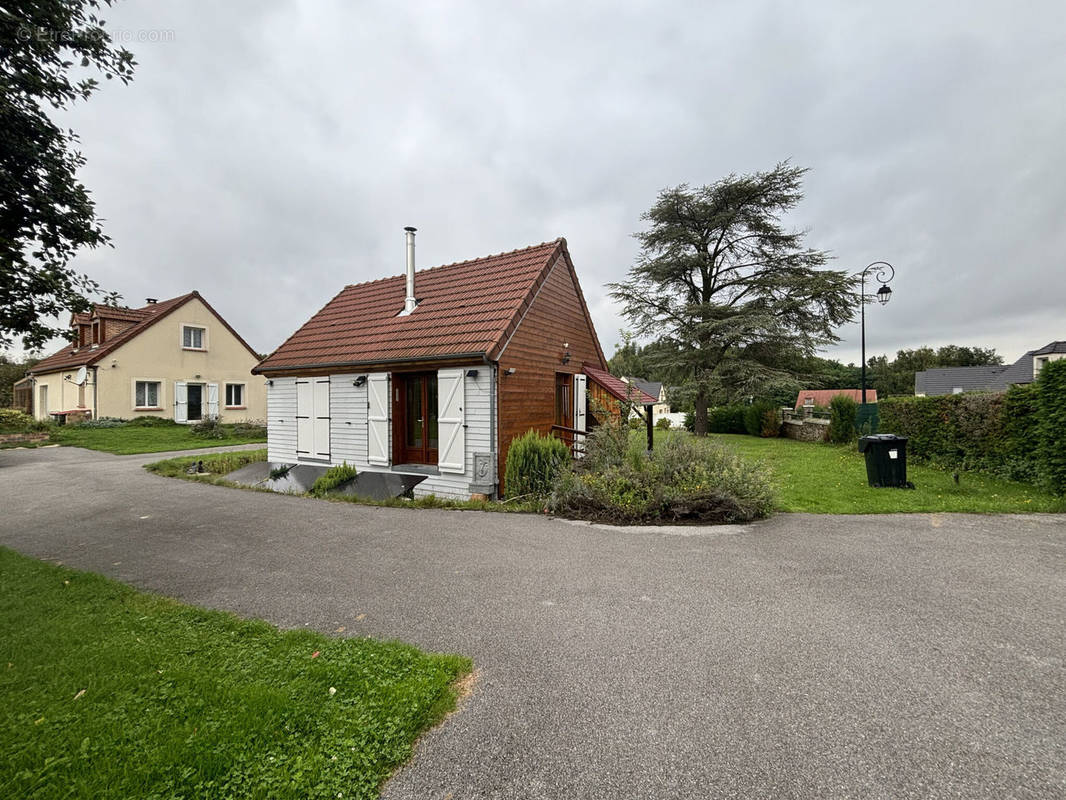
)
(172, 358)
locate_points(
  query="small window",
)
(234, 395)
(97, 331)
(147, 394)
(192, 338)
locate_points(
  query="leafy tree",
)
(627, 360)
(724, 283)
(46, 215)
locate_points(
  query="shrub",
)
(690, 421)
(249, 429)
(636, 423)
(156, 422)
(663, 424)
(681, 480)
(532, 463)
(208, 428)
(1051, 428)
(760, 419)
(726, 419)
(15, 421)
(103, 422)
(332, 478)
(842, 410)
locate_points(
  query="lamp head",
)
(883, 294)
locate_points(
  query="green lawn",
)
(131, 439)
(828, 479)
(110, 692)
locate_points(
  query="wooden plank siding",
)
(557, 315)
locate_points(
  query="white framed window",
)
(193, 337)
(234, 395)
(147, 394)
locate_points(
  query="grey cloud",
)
(272, 152)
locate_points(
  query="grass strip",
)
(111, 692)
(830, 479)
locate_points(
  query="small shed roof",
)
(618, 388)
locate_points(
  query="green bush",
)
(636, 423)
(248, 429)
(663, 424)
(681, 480)
(760, 419)
(157, 422)
(14, 421)
(842, 410)
(332, 478)
(1009, 434)
(103, 422)
(207, 428)
(532, 463)
(1051, 428)
(726, 419)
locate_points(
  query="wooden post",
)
(651, 428)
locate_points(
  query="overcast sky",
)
(268, 153)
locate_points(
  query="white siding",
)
(348, 428)
(281, 420)
(347, 419)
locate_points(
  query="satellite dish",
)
(83, 373)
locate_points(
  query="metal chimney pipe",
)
(410, 302)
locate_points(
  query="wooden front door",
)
(415, 397)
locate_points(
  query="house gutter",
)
(406, 360)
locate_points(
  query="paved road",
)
(889, 656)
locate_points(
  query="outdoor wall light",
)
(359, 381)
(509, 371)
(471, 373)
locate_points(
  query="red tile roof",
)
(823, 397)
(70, 356)
(464, 309)
(618, 388)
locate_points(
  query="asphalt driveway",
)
(808, 656)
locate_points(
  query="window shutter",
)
(320, 421)
(451, 397)
(181, 401)
(580, 413)
(377, 418)
(212, 399)
(305, 407)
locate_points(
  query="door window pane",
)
(414, 412)
(431, 410)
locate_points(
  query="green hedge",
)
(842, 419)
(726, 419)
(532, 462)
(1019, 434)
(1051, 424)
(760, 419)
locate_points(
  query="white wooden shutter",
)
(212, 399)
(451, 428)
(305, 407)
(580, 415)
(377, 418)
(320, 418)
(181, 401)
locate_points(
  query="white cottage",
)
(433, 373)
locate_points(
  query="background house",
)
(998, 378)
(431, 374)
(174, 358)
(654, 389)
(821, 398)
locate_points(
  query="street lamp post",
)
(883, 295)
